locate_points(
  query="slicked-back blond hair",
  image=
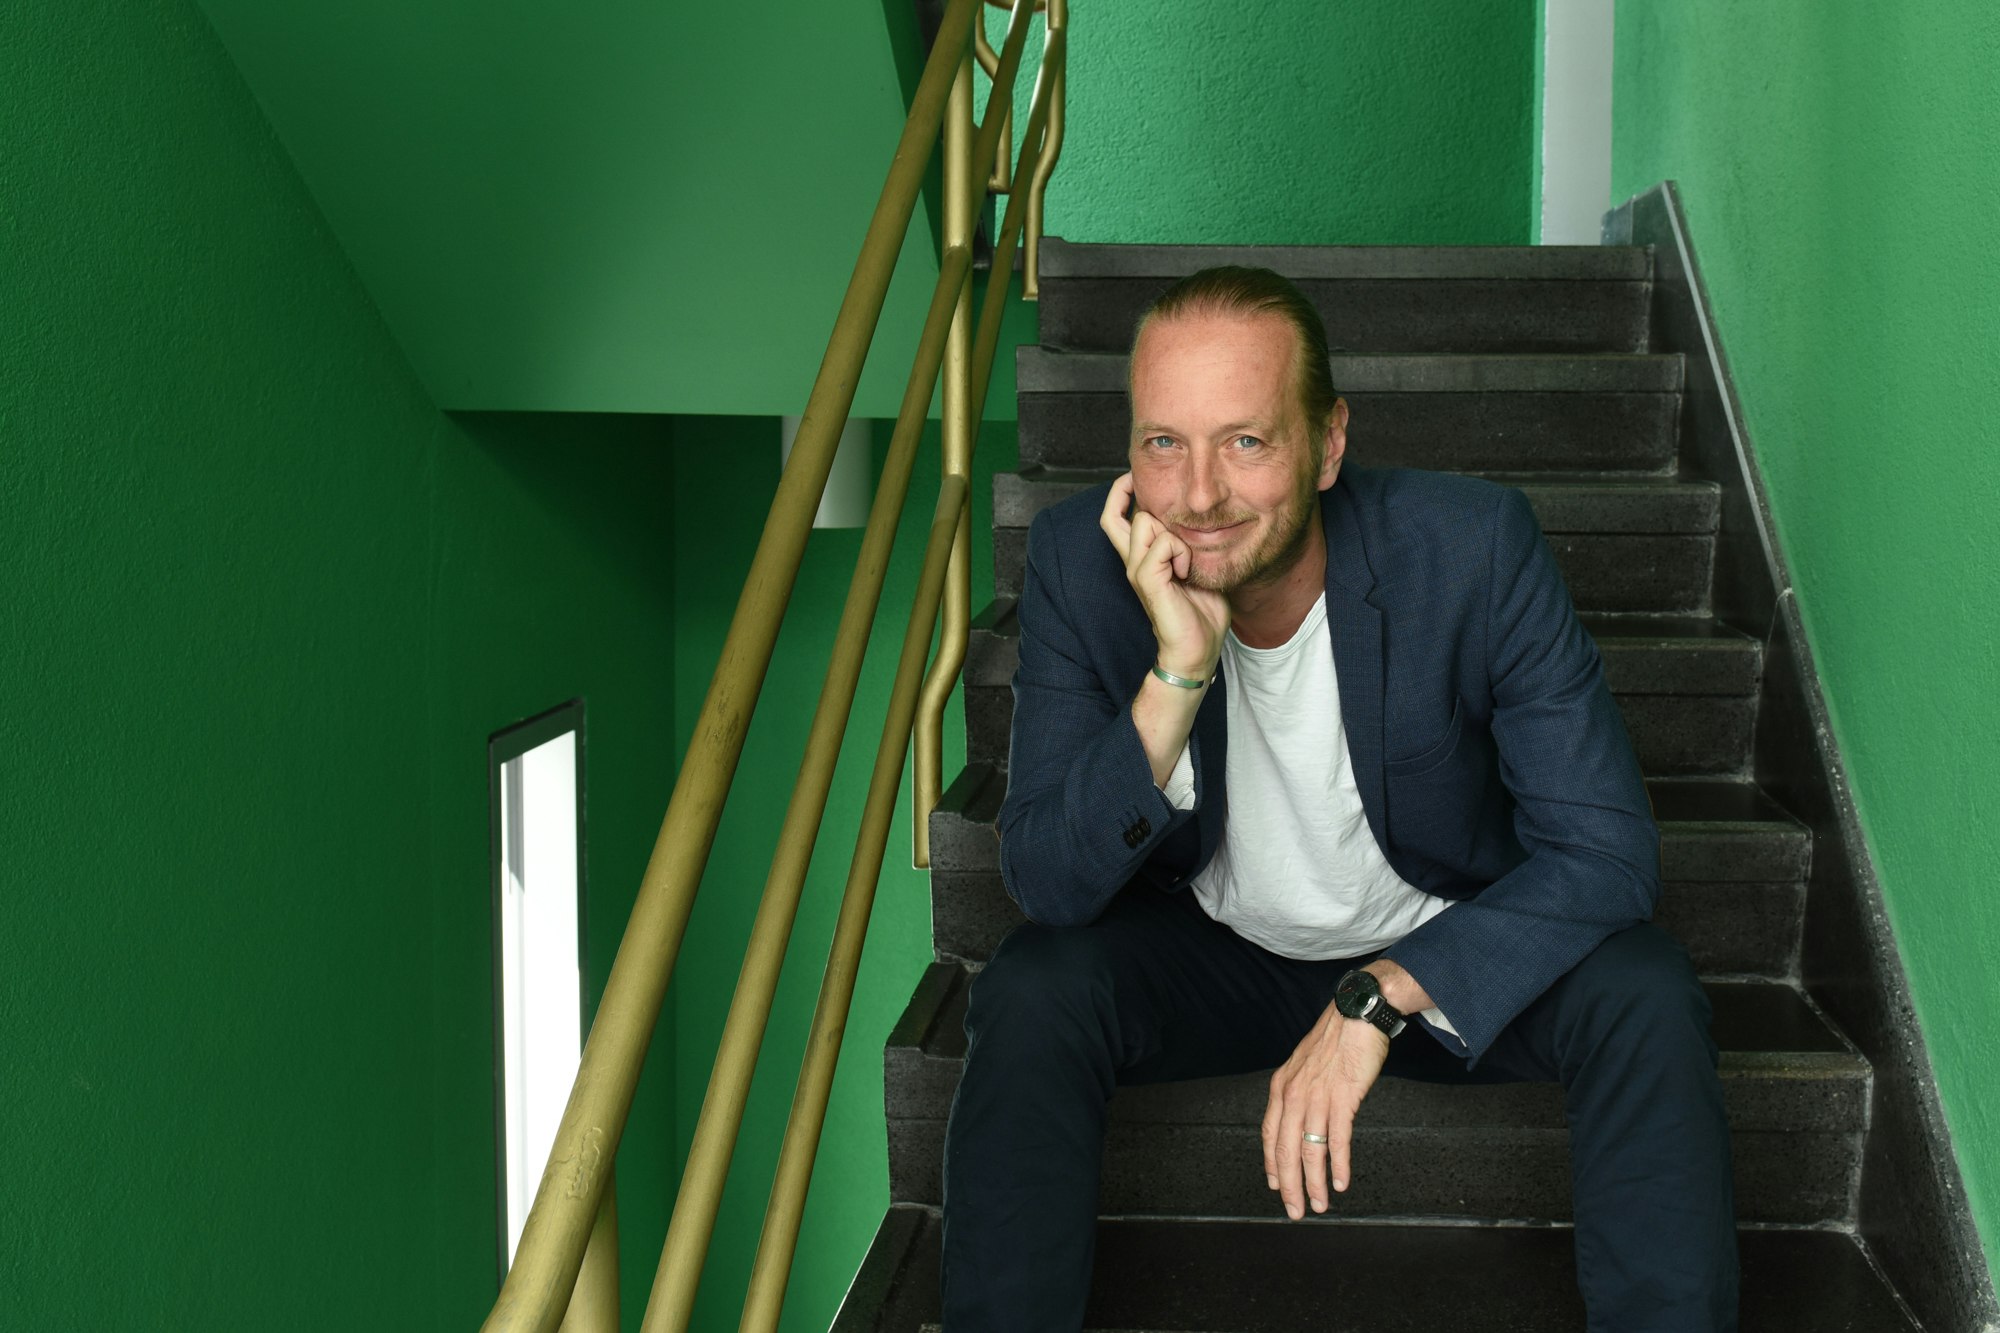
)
(1232, 290)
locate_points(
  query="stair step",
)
(1563, 502)
(1733, 863)
(1063, 259)
(1676, 655)
(1173, 1276)
(1394, 298)
(1710, 829)
(1796, 1092)
(1672, 735)
(1499, 412)
(1606, 573)
(1052, 371)
(1685, 687)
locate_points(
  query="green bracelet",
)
(1172, 679)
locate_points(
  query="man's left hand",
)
(1318, 1091)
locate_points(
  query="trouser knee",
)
(1046, 988)
(1638, 993)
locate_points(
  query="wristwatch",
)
(1359, 995)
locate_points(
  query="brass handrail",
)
(574, 1215)
(776, 1246)
(672, 1301)
(1044, 140)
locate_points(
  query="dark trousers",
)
(1156, 990)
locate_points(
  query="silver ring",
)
(1315, 1138)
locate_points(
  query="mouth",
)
(1209, 536)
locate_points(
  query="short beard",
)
(1272, 560)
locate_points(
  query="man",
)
(1300, 752)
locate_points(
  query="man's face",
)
(1221, 451)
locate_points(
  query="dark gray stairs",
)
(1532, 367)
(1797, 1098)
(1232, 1276)
(1376, 298)
(1733, 866)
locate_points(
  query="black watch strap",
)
(1383, 1016)
(1359, 995)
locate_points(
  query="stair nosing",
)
(1062, 259)
(1046, 370)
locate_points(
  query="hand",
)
(1319, 1090)
(1188, 622)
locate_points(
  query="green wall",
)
(726, 470)
(1837, 164)
(267, 602)
(264, 605)
(1296, 122)
(598, 206)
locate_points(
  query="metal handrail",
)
(572, 1226)
(775, 1247)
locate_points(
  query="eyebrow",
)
(1251, 424)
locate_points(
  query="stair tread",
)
(1564, 502)
(1600, 263)
(1754, 1019)
(1185, 1276)
(1081, 477)
(1000, 620)
(1708, 802)
(1712, 829)
(1053, 370)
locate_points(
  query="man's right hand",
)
(1188, 622)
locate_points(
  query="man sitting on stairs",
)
(1306, 757)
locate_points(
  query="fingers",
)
(1300, 1165)
(1116, 526)
(1289, 1141)
(1307, 1188)
(1161, 560)
(1274, 1107)
(1340, 1143)
(1319, 1091)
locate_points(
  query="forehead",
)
(1219, 366)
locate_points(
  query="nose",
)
(1205, 487)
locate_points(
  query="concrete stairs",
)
(1531, 366)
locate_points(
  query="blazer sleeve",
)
(1580, 806)
(1082, 814)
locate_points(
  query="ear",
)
(1333, 446)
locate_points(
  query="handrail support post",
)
(963, 185)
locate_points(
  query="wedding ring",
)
(1315, 1138)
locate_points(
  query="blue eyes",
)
(1241, 442)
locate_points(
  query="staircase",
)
(1534, 367)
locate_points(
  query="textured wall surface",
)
(1837, 164)
(264, 604)
(1296, 122)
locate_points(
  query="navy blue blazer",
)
(1493, 765)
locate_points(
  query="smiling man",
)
(1313, 768)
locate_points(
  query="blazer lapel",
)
(1355, 627)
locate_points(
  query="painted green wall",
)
(1837, 163)
(726, 470)
(598, 207)
(264, 603)
(1296, 122)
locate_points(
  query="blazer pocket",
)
(1435, 754)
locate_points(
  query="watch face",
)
(1356, 994)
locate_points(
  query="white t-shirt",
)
(1297, 870)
